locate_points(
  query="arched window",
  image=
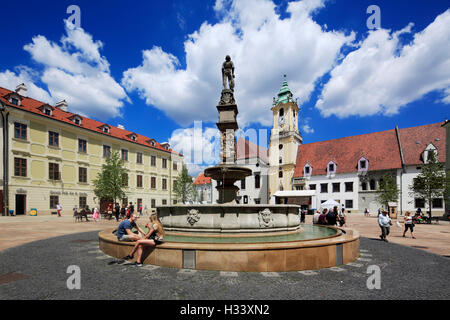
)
(280, 174)
(372, 184)
(281, 112)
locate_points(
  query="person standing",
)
(409, 224)
(117, 211)
(302, 215)
(58, 209)
(385, 223)
(341, 217)
(123, 211)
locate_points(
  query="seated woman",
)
(154, 237)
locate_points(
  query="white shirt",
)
(58, 207)
(383, 220)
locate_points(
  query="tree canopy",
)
(109, 184)
(388, 191)
(183, 187)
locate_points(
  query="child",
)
(96, 215)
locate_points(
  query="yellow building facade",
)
(52, 161)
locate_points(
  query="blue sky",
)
(154, 66)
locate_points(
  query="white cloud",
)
(199, 146)
(73, 70)
(263, 47)
(382, 76)
(10, 80)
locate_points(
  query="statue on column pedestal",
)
(228, 73)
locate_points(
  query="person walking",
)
(123, 211)
(96, 214)
(366, 213)
(409, 224)
(117, 211)
(385, 223)
(58, 209)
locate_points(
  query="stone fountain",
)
(227, 216)
(234, 237)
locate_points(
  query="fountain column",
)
(226, 173)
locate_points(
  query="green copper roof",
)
(284, 93)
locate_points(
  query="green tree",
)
(183, 187)
(431, 183)
(388, 191)
(109, 184)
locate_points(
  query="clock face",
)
(281, 120)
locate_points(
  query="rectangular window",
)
(153, 161)
(437, 203)
(336, 187)
(20, 167)
(82, 175)
(364, 186)
(349, 204)
(20, 131)
(243, 184)
(164, 163)
(164, 202)
(14, 101)
(82, 146)
(419, 203)
(323, 187)
(257, 181)
(312, 187)
(124, 155)
(139, 157)
(175, 201)
(307, 170)
(125, 179)
(82, 202)
(139, 181)
(257, 201)
(331, 167)
(175, 166)
(153, 182)
(362, 164)
(164, 184)
(53, 171)
(349, 187)
(54, 200)
(106, 151)
(53, 139)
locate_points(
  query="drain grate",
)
(12, 276)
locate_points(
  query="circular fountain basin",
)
(310, 247)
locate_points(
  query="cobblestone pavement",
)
(38, 270)
(19, 230)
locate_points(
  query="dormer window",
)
(307, 170)
(76, 120)
(151, 142)
(363, 164)
(46, 109)
(15, 101)
(430, 151)
(133, 137)
(165, 145)
(331, 168)
(105, 128)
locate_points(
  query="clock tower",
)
(284, 140)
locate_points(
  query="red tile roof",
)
(201, 179)
(246, 149)
(32, 105)
(415, 140)
(381, 149)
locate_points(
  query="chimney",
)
(120, 126)
(62, 105)
(21, 89)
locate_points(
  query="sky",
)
(154, 66)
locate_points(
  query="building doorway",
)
(21, 204)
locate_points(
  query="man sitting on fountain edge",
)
(124, 232)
